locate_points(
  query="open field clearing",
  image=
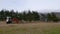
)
(30, 28)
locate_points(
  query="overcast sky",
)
(30, 4)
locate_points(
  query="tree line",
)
(28, 16)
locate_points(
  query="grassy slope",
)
(32, 28)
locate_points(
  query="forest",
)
(29, 16)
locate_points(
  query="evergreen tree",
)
(24, 16)
(54, 18)
(49, 17)
(36, 16)
(1, 14)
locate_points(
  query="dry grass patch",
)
(30, 28)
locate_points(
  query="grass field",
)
(30, 28)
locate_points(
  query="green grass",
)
(52, 31)
(44, 28)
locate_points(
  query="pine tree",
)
(54, 18)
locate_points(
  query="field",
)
(30, 28)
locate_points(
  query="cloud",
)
(30, 4)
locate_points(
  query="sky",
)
(30, 4)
